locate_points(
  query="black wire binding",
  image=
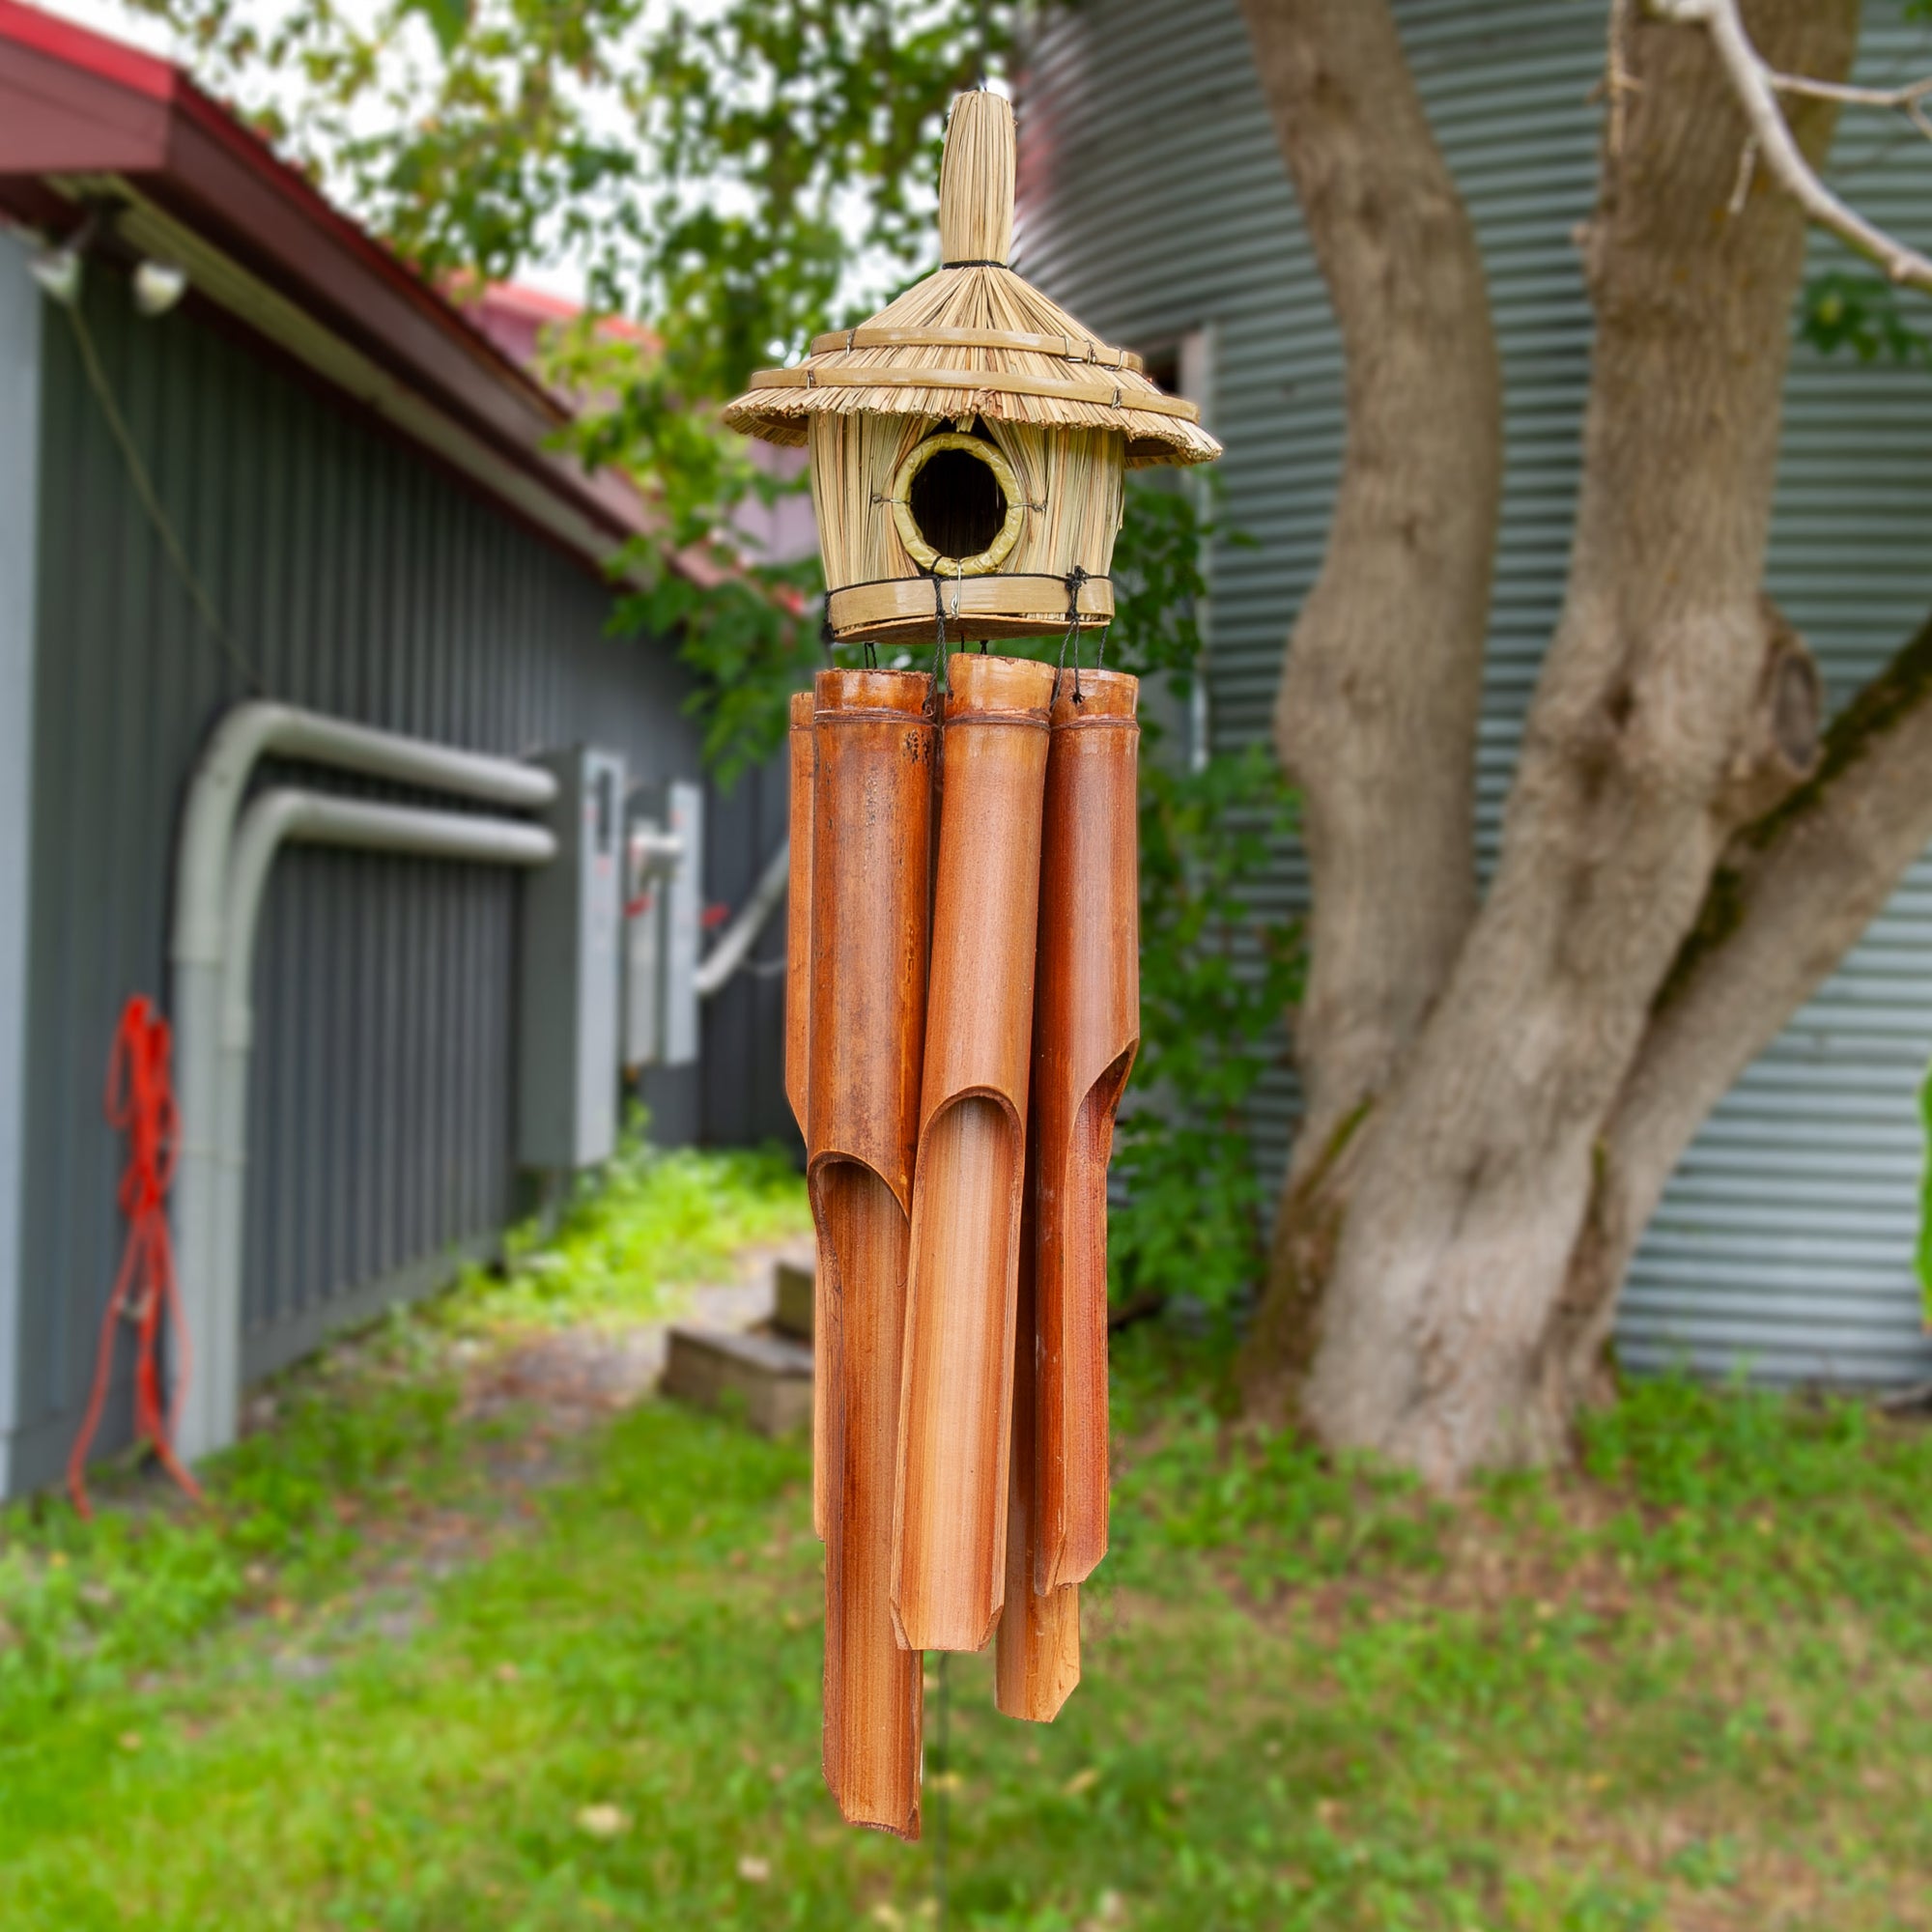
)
(976, 262)
(1074, 579)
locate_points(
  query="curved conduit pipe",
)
(741, 935)
(248, 732)
(272, 820)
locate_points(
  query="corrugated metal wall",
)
(1156, 203)
(367, 584)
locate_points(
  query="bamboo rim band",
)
(871, 716)
(1007, 599)
(996, 718)
(987, 381)
(1068, 348)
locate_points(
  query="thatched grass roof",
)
(976, 339)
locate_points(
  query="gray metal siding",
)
(364, 582)
(744, 1023)
(1784, 1242)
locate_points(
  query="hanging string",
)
(938, 643)
(942, 1786)
(1074, 579)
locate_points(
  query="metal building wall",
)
(359, 580)
(743, 1098)
(1784, 1244)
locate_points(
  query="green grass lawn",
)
(419, 1667)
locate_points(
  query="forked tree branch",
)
(1759, 85)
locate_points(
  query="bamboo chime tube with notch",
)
(1038, 1663)
(798, 1040)
(948, 1536)
(1087, 1029)
(871, 835)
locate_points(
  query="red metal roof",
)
(74, 103)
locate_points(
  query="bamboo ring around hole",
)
(917, 542)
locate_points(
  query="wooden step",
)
(769, 1374)
(792, 1314)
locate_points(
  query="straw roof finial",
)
(976, 180)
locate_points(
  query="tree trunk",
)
(1792, 893)
(1667, 713)
(1375, 719)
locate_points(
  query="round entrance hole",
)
(956, 504)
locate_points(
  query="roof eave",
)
(77, 110)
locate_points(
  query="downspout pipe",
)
(277, 818)
(247, 733)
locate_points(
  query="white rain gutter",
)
(729, 954)
(250, 732)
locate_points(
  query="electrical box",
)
(567, 1047)
(664, 923)
(650, 859)
(684, 923)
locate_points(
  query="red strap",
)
(140, 1102)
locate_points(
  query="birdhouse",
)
(969, 442)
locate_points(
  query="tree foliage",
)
(735, 176)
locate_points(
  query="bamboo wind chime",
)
(962, 967)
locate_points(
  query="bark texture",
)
(1792, 893)
(1376, 715)
(1674, 705)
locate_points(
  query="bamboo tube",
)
(1087, 1029)
(871, 833)
(798, 1045)
(948, 1534)
(1038, 1663)
(797, 912)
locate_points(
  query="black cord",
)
(1074, 579)
(941, 1787)
(149, 499)
(938, 646)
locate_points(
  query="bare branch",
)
(1895, 100)
(1757, 86)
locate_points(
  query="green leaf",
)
(1863, 313)
(449, 18)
